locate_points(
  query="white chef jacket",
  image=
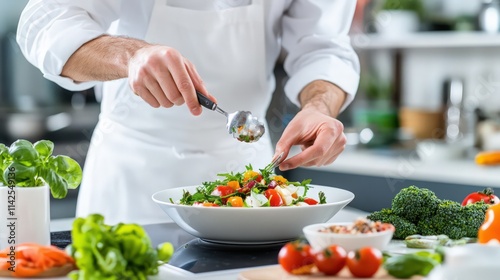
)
(314, 34)
(135, 150)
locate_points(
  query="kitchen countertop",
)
(198, 259)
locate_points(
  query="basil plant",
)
(24, 164)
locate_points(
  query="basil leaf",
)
(68, 169)
(20, 175)
(32, 165)
(44, 148)
(23, 152)
(58, 186)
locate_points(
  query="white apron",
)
(137, 150)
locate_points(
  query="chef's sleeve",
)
(316, 40)
(50, 31)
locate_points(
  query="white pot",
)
(24, 215)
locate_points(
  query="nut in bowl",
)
(350, 235)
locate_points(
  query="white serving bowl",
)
(251, 225)
(350, 242)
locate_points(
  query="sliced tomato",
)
(310, 201)
(223, 192)
(296, 258)
(274, 197)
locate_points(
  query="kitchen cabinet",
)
(418, 64)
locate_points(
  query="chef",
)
(146, 59)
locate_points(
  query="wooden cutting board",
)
(276, 272)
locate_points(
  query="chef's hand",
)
(315, 128)
(163, 77)
(158, 74)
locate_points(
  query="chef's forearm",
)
(102, 59)
(323, 96)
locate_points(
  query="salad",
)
(251, 188)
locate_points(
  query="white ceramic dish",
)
(471, 261)
(251, 225)
(350, 242)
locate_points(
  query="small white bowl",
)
(350, 242)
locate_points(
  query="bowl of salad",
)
(251, 207)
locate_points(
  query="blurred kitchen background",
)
(428, 101)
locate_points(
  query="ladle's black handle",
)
(205, 102)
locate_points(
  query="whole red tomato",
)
(486, 195)
(364, 262)
(331, 260)
(296, 258)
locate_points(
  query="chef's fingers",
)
(313, 154)
(336, 153)
(338, 148)
(197, 80)
(183, 82)
(158, 92)
(169, 88)
(144, 93)
(331, 155)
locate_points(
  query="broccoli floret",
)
(415, 204)
(403, 227)
(473, 217)
(454, 220)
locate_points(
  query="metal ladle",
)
(241, 124)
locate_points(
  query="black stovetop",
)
(196, 255)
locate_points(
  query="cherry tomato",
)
(235, 201)
(364, 262)
(486, 195)
(490, 229)
(296, 258)
(331, 260)
(310, 201)
(274, 197)
(223, 191)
